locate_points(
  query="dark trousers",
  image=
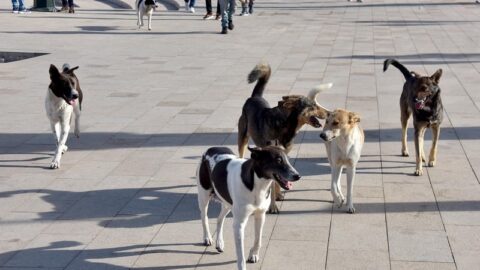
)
(70, 3)
(208, 4)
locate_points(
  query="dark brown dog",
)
(420, 98)
(279, 125)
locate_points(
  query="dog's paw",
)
(207, 242)
(254, 256)
(339, 201)
(220, 246)
(405, 153)
(149, 29)
(64, 149)
(418, 172)
(431, 163)
(351, 210)
(77, 133)
(55, 164)
(273, 209)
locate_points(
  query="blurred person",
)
(227, 9)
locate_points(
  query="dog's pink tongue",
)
(419, 105)
(289, 184)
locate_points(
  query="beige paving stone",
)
(357, 259)
(400, 265)
(295, 255)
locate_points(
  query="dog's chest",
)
(56, 107)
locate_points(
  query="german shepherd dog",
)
(279, 125)
(420, 98)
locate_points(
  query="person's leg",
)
(71, 6)
(15, 5)
(208, 5)
(218, 10)
(223, 12)
(250, 7)
(192, 3)
(231, 12)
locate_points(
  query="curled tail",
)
(317, 89)
(261, 74)
(65, 67)
(406, 73)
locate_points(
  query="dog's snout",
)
(74, 96)
(323, 136)
(296, 177)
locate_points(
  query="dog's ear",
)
(70, 71)
(255, 152)
(54, 73)
(353, 118)
(436, 76)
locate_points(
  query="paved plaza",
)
(125, 195)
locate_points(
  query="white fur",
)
(59, 112)
(245, 203)
(344, 150)
(143, 10)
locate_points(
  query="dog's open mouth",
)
(285, 184)
(315, 122)
(71, 101)
(419, 103)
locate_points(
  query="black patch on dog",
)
(247, 174)
(204, 175)
(139, 3)
(219, 179)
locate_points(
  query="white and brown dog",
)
(145, 7)
(64, 96)
(243, 187)
(344, 139)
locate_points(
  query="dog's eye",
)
(279, 160)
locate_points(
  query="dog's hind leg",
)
(203, 201)
(150, 20)
(338, 198)
(76, 110)
(351, 170)
(220, 221)
(242, 135)
(433, 151)
(419, 134)
(56, 131)
(404, 116)
(255, 251)
(61, 148)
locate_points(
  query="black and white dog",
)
(243, 187)
(64, 96)
(145, 7)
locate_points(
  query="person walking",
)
(209, 15)
(18, 6)
(190, 6)
(245, 4)
(67, 6)
(227, 9)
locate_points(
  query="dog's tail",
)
(261, 74)
(65, 67)
(317, 89)
(406, 73)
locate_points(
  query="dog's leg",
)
(139, 19)
(76, 131)
(433, 151)
(255, 251)
(404, 115)
(242, 136)
(220, 220)
(278, 192)
(150, 20)
(419, 133)
(351, 170)
(273, 209)
(203, 201)
(336, 174)
(56, 131)
(61, 148)
(240, 218)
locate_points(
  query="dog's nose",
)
(323, 136)
(296, 177)
(74, 96)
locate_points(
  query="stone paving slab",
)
(125, 196)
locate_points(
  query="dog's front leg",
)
(338, 198)
(273, 209)
(76, 111)
(220, 221)
(61, 148)
(240, 218)
(419, 133)
(255, 251)
(351, 170)
(150, 20)
(433, 151)
(56, 131)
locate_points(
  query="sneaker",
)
(15, 11)
(218, 17)
(230, 25)
(244, 12)
(208, 16)
(24, 11)
(224, 30)
(71, 10)
(191, 10)
(186, 7)
(64, 9)
(359, 1)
